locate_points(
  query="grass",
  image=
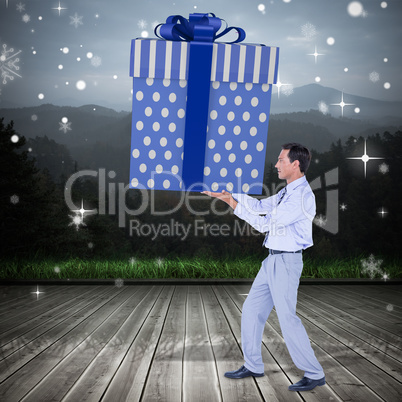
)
(147, 268)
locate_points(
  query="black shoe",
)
(306, 384)
(242, 372)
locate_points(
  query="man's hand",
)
(224, 196)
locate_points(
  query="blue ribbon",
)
(201, 31)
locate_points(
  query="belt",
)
(281, 252)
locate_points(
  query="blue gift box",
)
(229, 152)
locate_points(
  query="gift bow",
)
(199, 27)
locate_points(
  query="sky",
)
(76, 52)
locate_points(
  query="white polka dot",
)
(159, 168)
(243, 145)
(183, 83)
(217, 157)
(215, 85)
(233, 86)
(260, 146)
(238, 100)
(232, 158)
(134, 182)
(182, 155)
(150, 81)
(223, 172)
(254, 101)
(228, 145)
(246, 116)
(214, 186)
(180, 113)
(207, 171)
(156, 126)
(263, 117)
(238, 172)
(253, 131)
(179, 143)
(150, 183)
(172, 127)
(166, 82)
(265, 87)
(163, 141)
(172, 97)
(229, 186)
(147, 140)
(245, 187)
(254, 173)
(166, 183)
(211, 144)
(222, 130)
(213, 114)
(174, 169)
(139, 95)
(148, 111)
(143, 168)
(139, 125)
(236, 130)
(231, 116)
(222, 100)
(168, 155)
(165, 112)
(248, 159)
(249, 86)
(152, 154)
(156, 96)
(136, 153)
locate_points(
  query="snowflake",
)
(132, 261)
(119, 282)
(343, 207)
(159, 262)
(77, 220)
(20, 7)
(96, 61)
(142, 24)
(8, 64)
(65, 126)
(383, 168)
(390, 307)
(26, 18)
(374, 76)
(320, 220)
(371, 266)
(76, 20)
(14, 199)
(322, 107)
(57, 270)
(308, 30)
(90, 245)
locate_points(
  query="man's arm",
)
(224, 196)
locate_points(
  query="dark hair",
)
(298, 152)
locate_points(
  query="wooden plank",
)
(376, 336)
(35, 363)
(200, 378)
(97, 354)
(13, 293)
(27, 332)
(275, 350)
(227, 351)
(341, 383)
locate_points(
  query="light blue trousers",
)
(276, 285)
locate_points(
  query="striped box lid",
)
(248, 63)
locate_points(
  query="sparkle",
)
(159, 261)
(14, 199)
(132, 261)
(20, 7)
(8, 64)
(383, 168)
(59, 8)
(343, 207)
(385, 277)
(65, 126)
(342, 104)
(279, 85)
(26, 18)
(315, 54)
(365, 158)
(382, 212)
(79, 220)
(371, 266)
(37, 292)
(76, 20)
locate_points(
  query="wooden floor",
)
(175, 342)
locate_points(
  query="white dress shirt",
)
(289, 223)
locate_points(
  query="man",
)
(288, 227)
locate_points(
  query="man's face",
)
(285, 168)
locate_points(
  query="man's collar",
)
(296, 183)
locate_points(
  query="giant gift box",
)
(200, 109)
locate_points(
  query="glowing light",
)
(365, 158)
(387, 85)
(355, 9)
(330, 41)
(41, 96)
(81, 85)
(342, 104)
(59, 8)
(315, 54)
